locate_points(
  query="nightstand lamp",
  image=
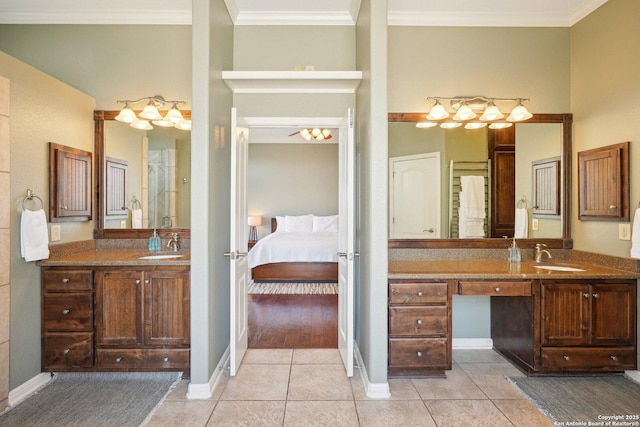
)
(253, 221)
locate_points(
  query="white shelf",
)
(292, 81)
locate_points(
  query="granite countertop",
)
(498, 269)
(116, 257)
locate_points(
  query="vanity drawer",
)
(495, 289)
(67, 280)
(589, 359)
(145, 359)
(67, 350)
(416, 321)
(418, 293)
(68, 312)
(418, 352)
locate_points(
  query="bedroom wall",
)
(292, 179)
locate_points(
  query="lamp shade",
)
(491, 113)
(150, 112)
(126, 115)
(465, 113)
(519, 113)
(174, 115)
(254, 220)
(141, 124)
(438, 112)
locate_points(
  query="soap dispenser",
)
(154, 242)
(514, 252)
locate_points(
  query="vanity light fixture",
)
(151, 112)
(467, 109)
(318, 134)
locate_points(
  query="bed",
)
(298, 251)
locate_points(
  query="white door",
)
(346, 241)
(238, 244)
(414, 197)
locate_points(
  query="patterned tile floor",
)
(309, 388)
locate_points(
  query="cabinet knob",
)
(419, 353)
(419, 293)
(137, 281)
(147, 281)
(66, 351)
(65, 280)
(586, 294)
(566, 357)
(419, 322)
(612, 207)
(596, 295)
(118, 359)
(497, 289)
(66, 311)
(64, 208)
(166, 358)
(614, 357)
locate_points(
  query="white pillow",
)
(325, 223)
(281, 223)
(299, 224)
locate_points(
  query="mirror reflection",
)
(465, 152)
(147, 177)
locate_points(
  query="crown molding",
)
(98, 17)
(585, 10)
(294, 18)
(466, 19)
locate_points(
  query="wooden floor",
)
(293, 321)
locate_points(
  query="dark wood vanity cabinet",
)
(115, 319)
(569, 326)
(419, 328)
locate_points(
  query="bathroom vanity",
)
(110, 310)
(580, 318)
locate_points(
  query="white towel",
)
(521, 226)
(34, 235)
(469, 228)
(136, 218)
(635, 235)
(473, 189)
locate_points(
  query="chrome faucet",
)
(174, 242)
(540, 252)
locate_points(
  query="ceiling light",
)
(318, 134)
(173, 117)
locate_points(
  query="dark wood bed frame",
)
(295, 271)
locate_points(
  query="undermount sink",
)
(162, 256)
(559, 268)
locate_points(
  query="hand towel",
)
(136, 218)
(635, 235)
(469, 227)
(473, 189)
(521, 226)
(34, 235)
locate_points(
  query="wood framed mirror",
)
(561, 238)
(110, 226)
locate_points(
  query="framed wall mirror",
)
(143, 179)
(523, 145)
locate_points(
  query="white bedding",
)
(294, 247)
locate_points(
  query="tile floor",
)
(309, 388)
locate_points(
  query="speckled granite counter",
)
(116, 257)
(498, 269)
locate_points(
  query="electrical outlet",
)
(534, 224)
(123, 223)
(624, 231)
(55, 232)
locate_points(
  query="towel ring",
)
(522, 203)
(31, 196)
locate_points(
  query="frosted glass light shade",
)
(163, 123)
(519, 113)
(450, 125)
(141, 124)
(425, 125)
(500, 125)
(491, 113)
(126, 115)
(474, 125)
(465, 113)
(437, 112)
(183, 125)
(150, 112)
(173, 115)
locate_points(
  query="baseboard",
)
(205, 391)
(634, 375)
(373, 390)
(26, 389)
(472, 343)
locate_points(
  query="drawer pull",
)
(66, 311)
(596, 295)
(419, 322)
(586, 295)
(137, 281)
(566, 358)
(419, 353)
(497, 289)
(614, 357)
(118, 359)
(66, 351)
(166, 358)
(65, 280)
(419, 293)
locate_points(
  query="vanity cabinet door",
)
(167, 308)
(565, 314)
(119, 308)
(613, 314)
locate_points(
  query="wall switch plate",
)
(55, 232)
(624, 231)
(534, 224)
(123, 223)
